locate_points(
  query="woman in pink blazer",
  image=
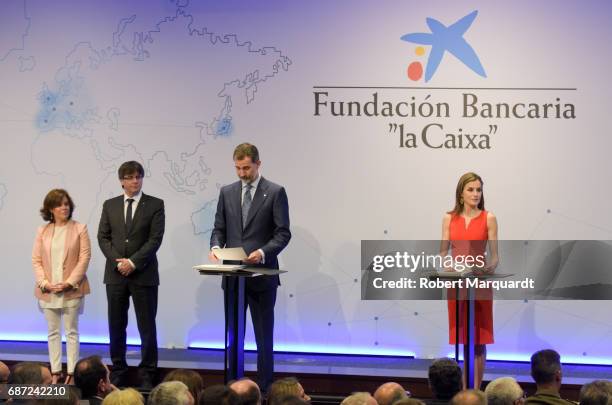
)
(60, 257)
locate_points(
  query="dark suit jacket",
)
(140, 245)
(267, 226)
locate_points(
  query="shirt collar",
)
(254, 183)
(136, 198)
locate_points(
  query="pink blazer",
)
(77, 252)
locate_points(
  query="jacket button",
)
(127, 240)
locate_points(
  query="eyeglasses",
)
(132, 177)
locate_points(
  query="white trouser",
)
(71, 328)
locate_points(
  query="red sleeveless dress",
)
(476, 230)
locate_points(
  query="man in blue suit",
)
(254, 213)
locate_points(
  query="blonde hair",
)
(128, 396)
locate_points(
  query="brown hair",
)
(129, 168)
(190, 378)
(246, 149)
(54, 199)
(463, 181)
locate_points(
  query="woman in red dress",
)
(469, 221)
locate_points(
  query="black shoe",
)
(118, 378)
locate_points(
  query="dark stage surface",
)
(320, 374)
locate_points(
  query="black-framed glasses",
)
(132, 177)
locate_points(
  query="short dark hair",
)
(27, 372)
(544, 366)
(598, 392)
(130, 167)
(218, 395)
(54, 199)
(444, 378)
(87, 374)
(246, 149)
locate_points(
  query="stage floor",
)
(357, 369)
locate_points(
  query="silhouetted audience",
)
(218, 395)
(170, 393)
(284, 387)
(30, 373)
(389, 392)
(547, 374)
(190, 378)
(469, 397)
(359, 398)
(4, 373)
(504, 391)
(247, 390)
(598, 392)
(127, 396)
(92, 377)
(445, 380)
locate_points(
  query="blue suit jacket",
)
(266, 228)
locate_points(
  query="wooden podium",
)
(234, 314)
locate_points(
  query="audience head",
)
(128, 396)
(190, 378)
(92, 377)
(504, 391)
(284, 387)
(71, 399)
(4, 373)
(218, 395)
(469, 397)
(598, 392)
(247, 390)
(444, 378)
(546, 368)
(30, 373)
(170, 393)
(389, 392)
(359, 398)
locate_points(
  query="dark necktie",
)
(128, 215)
(246, 204)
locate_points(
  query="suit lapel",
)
(260, 196)
(236, 200)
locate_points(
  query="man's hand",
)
(212, 257)
(254, 258)
(124, 267)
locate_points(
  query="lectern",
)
(234, 312)
(468, 345)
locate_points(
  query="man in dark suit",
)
(130, 233)
(92, 377)
(254, 213)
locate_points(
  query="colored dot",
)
(420, 51)
(415, 71)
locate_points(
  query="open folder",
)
(232, 255)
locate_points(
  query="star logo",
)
(444, 39)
